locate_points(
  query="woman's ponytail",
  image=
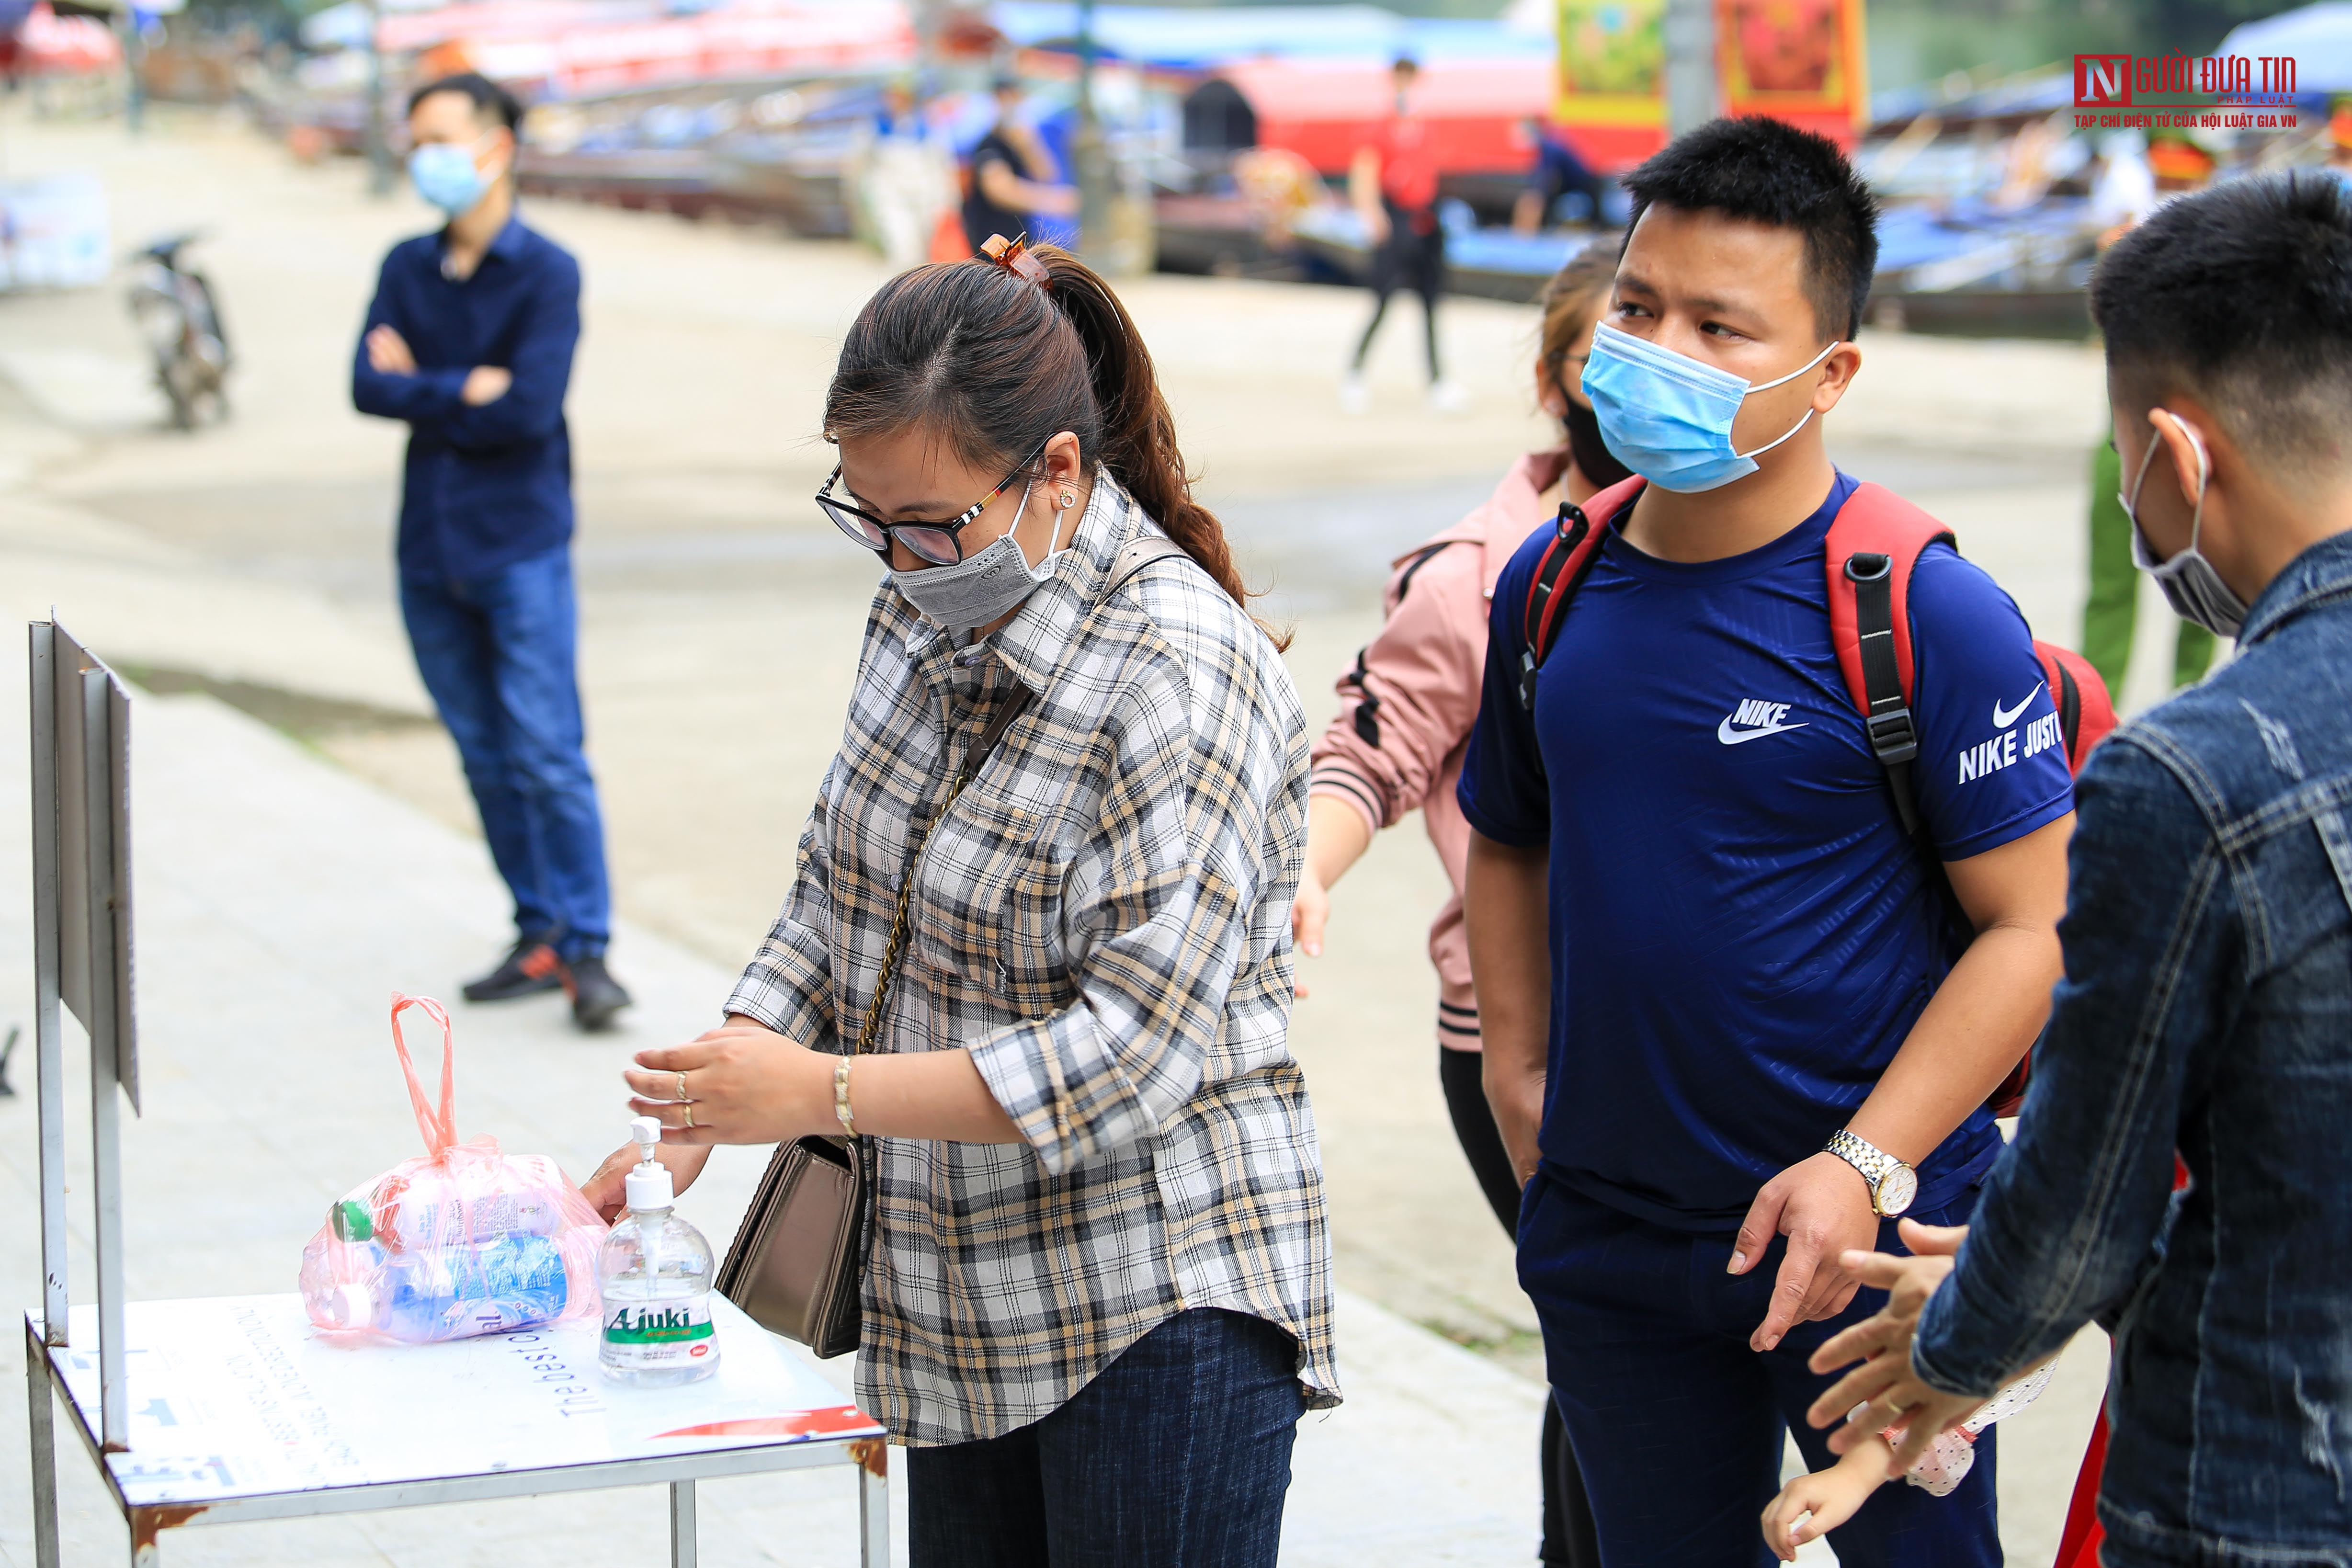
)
(1139, 434)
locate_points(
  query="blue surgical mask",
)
(1668, 417)
(445, 174)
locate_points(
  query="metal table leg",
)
(874, 1509)
(45, 1451)
(682, 1546)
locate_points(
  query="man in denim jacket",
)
(2206, 1003)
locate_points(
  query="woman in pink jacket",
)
(1398, 741)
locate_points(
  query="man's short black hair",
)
(1770, 173)
(492, 102)
(2240, 297)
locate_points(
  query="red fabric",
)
(2078, 1545)
(1328, 111)
(1408, 163)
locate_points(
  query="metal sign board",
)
(92, 752)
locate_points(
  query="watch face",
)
(1896, 1189)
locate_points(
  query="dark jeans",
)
(1568, 1538)
(498, 655)
(1413, 260)
(1176, 1456)
(1678, 1424)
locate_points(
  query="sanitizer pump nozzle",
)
(648, 1186)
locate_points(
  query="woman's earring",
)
(1069, 499)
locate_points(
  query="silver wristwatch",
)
(1893, 1184)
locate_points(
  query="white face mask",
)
(2194, 590)
(983, 586)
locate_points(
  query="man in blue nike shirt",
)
(1733, 1021)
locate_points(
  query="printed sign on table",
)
(238, 1396)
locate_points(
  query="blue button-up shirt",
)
(484, 487)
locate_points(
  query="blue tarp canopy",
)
(2319, 37)
(1206, 36)
(2033, 93)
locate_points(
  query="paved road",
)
(720, 614)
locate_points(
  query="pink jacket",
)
(1409, 702)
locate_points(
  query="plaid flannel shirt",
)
(1102, 919)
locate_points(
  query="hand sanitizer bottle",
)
(656, 1272)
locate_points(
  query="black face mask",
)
(1593, 458)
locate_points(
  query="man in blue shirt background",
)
(1733, 1022)
(469, 340)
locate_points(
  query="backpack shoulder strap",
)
(2085, 711)
(1575, 544)
(1874, 542)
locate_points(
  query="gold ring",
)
(681, 1088)
(689, 1116)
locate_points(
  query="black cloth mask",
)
(1593, 458)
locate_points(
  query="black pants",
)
(1418, 260)
(1568, 1536)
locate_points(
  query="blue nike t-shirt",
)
(1742, 934)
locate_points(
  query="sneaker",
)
(528, 968)
(596, 997)
(1449, 397)
(1355, 398)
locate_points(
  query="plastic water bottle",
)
(655, 1271)
(452, 1292)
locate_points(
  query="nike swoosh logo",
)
(1731, 737)
(2002, 718)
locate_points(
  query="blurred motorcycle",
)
(178, 316)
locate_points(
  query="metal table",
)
(238, 1412)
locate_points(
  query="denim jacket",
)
(2207, 1007)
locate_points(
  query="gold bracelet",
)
(841, 1096)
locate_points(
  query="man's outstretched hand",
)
(1885, 1382)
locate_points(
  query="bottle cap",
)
(349, 1221)
(351, 1307)
(649, 1185)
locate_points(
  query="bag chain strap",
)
(896, 944)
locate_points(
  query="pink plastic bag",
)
(461, 1240)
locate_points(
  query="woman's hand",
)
(603, 1188)
(1307, 916)
(741, 1083)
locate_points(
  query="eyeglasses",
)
(940, 543)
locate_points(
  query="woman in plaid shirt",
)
(1099, 1294)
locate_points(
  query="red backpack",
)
(1874, 543)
